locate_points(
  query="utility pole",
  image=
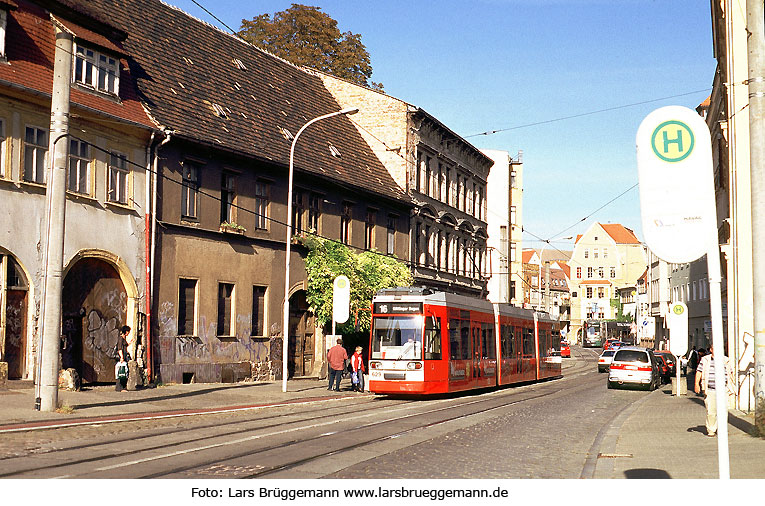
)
(756, 81)
(47, 399)
(547, 287)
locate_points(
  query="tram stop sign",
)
(677, 320)
(677, 200)
(341, 299)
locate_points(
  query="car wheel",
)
(610, 385)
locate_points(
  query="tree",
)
(368, 272)
(305, 36)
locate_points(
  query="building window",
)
(579, 272)
(601, 292)
(225, 309)
(513, 215)
(118, 179)
(613, 272)
(605, 252)
(2, 141)
(190, 189)
(258, 311)
(187, 296)
(586, 253)
(600, 272)
(345, 223)
(448, 186)
(589, 272)
(595, 253)
(79, 167)
(314, 212)
(261, 205)
(391, 235)
(298, 208)
(369, 229)
(35, 154)
(96, 70)
(589, 292)
(513, 179)
(227, 198)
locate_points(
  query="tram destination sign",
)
(398, 308)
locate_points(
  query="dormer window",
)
(96, 70)
(3, 23)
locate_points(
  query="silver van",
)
(636, 366)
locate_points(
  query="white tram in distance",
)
(425, 342)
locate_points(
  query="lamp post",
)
(286, 315)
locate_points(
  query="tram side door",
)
(475, 332)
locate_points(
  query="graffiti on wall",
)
(745, 370)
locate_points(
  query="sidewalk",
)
(101, 403)
(663, 436)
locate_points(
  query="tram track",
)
(104, 452)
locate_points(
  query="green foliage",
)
(368, 272)
(308, 37)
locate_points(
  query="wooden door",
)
(15, 332)
(300, 360)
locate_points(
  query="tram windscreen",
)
(397, 337)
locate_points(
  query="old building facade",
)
(229, 113)
(445, 176)
(104, 269)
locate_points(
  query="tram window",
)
(508, 343)
(454, 339)
(488, 344)
(397, 338)
(544, 343)
(528, 341)
(432, 338)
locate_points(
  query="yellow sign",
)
(672, 141)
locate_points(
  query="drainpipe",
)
(150, 252)
(147, 245)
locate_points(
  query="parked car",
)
(665, 372)
(669, 358)
(632, 365)
(565, 349)
(604, 360)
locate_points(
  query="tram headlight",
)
(413, 366)
(375, 365)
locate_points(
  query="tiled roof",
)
(210, 87)
(30, 66)
(620, 234)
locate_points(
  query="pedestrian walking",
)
(707, 383)
(336, 358)
(121, 375)
(122, 344)
(357, 376)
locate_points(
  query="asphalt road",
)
(543, 430)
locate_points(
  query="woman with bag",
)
(357, 366)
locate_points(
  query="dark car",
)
(669, 358)
(664, 370)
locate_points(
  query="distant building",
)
(505, 204)
(606, 257)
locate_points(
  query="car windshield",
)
(397, 337)
(608, 353)
(631, 356)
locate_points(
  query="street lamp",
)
(286, 315)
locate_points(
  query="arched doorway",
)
(94, 307)
(300, 359)
(16, 290)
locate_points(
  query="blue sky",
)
(487, 65)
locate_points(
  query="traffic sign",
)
(677, 200)
(677, 320)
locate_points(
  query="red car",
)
(664, 370)
(669, 358)
(565, 350)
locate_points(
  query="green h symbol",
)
(677, 140)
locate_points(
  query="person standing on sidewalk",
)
(336, 358)
(122, 345)
(706, 382)
(357, 364)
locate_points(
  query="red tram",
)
(425, 342)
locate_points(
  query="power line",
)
(590, 113)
